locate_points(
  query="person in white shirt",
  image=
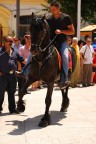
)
(87, 53)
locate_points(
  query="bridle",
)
(48, 44)
(39, 46)
(42, 38)
(40, 63)
(47, 57)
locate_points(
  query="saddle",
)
(69, 60)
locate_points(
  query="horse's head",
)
(39, 31)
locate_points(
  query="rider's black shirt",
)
(61, 23)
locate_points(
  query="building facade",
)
(8, 14)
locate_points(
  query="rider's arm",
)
(70, 30)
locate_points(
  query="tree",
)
(88, 11)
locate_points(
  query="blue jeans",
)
(26, 68)
(64, 56)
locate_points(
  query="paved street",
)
(77, 126)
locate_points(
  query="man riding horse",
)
(43, 62)
(61, 25)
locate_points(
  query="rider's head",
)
(55, 7)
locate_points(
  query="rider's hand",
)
(57, 31)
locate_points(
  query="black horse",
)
(44, 66)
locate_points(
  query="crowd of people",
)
(15, 53)
(86, 61)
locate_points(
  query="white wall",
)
(24, 10)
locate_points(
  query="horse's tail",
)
(74, 61)
(74, 58)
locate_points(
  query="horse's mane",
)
(37, 23)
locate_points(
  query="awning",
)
(88, 30)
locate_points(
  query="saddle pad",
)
(59, 59)
(69, 60)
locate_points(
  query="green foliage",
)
(88, 11)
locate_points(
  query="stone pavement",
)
(77, 126)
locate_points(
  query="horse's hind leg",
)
(65, 100)
(46, 120)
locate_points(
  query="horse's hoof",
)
(43, 123)
(63, 110)
(21, 108)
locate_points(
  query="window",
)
(24, 25)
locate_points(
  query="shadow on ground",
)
(32, 123)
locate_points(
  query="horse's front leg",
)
(21, 103)
(65, 100)
(46, 120)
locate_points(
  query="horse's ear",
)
(33, 15)
(43, 18)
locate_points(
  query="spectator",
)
(17, 43)
(75, 76)
(80, 44)
(69, 40)
(94, 67)
(87, 53)
(8, 66)
(25, 52)
(16, 46)
(94, 44)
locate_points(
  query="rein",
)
(39, 46)
(47, 45)
(46, 58)
(40, 49)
